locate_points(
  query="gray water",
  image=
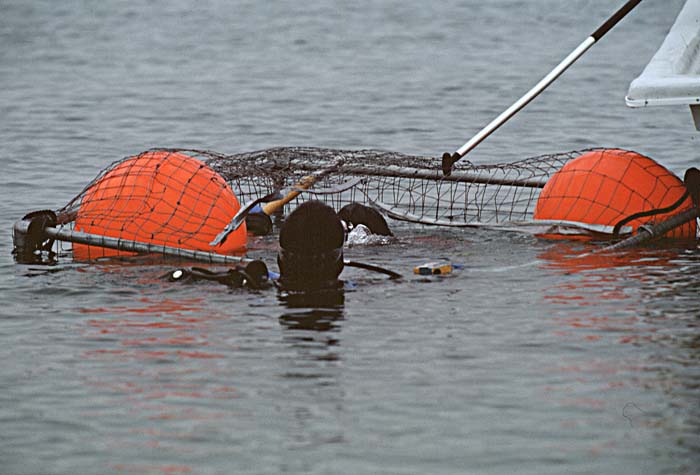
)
(503, 367)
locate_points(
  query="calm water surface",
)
(525, 361)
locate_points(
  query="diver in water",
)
(310, 256)
(259, 222)
(355, 214)
(311, 248)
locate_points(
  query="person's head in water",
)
(355, 214)
(311, 248)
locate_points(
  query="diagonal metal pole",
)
(448, 160)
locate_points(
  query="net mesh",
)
(186, 203)
(405, 187)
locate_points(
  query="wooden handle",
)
(272, 206)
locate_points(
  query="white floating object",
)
(360, 235)
(672, 77)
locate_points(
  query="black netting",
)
(184, 198)
(406, 187)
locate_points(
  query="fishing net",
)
(405, 187)
(184, 197)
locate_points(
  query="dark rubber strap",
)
(653, 212)
(613, 20)
(692, 183)
(373, 268)
(646, 233)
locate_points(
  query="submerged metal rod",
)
(127, 245)
(648, 233)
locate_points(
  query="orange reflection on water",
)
(598, 295)
(148, 305)
(161, 325)
(151, 355)
(155, 370)
(572, 258)
(600, 305)
(165, 469)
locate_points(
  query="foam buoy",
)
(605, 186)
(159, 197)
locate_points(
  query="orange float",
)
(605, 186)
(159, 197)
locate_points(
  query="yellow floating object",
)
(433, 268)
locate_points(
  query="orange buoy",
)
(605, 186)
(159, 197)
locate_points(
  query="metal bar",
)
(126, 245)
(648, 233)
(457, 177)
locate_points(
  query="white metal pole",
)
(448, 160)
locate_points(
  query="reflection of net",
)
(406, 187)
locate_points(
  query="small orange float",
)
(159, 197)
(605, 186)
